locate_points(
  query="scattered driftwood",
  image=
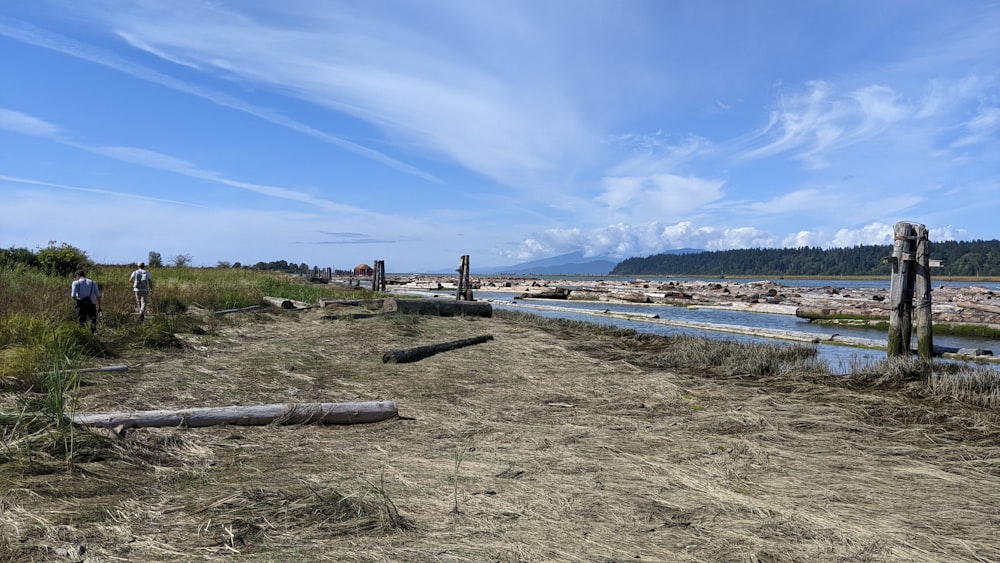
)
(557, 293)
(252, 308)
(252, 415)
(97, 370)
(438, 307)
(847, 311)
(406, 355)
(355, 316)
(287, 304)
(633, 297)
(351, 302)
(102, 369)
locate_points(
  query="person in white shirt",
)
(87, 296)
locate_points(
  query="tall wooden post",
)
(925, 329)
(464, 290)
(901, 291)
(378, 276)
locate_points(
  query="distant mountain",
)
(573, 263)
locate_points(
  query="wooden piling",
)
(911, 277)
(925, 330)
(464, 289)
(378, 276)
(899, 306)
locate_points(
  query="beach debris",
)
(406, 355)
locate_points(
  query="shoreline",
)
(953, 305)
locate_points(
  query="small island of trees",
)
(980, 258)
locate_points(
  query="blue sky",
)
(334, 133)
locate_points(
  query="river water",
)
(840, 358)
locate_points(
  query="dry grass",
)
(552, 442)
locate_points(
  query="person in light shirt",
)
(87, 295)
(142, 284)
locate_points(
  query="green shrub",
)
(62, 260)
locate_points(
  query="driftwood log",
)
(251, 415)
(406, 355)
(437, 307)
(283, 303)
(557, 293)
(633, 297)
(323, 302)
(252, 308)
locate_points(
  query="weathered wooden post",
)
(911, 277)
(925, 329)
(464, 290)
(901, 291)
(468, 280)
(378, 276)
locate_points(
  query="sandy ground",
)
(544, 444)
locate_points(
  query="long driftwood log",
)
(438, 307)
(251, 415)
(249, 309)
(420, 352)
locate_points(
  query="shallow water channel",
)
(839, 357)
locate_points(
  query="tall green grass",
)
(38, 325)
(42, 347)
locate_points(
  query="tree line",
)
(978, 258)
(62, 259)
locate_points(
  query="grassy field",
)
(554, 441)
(38, 332)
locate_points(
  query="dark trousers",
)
(86, 309)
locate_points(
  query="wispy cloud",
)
(352, 238)
(28, 125)
(31, 35)
(820, 120)
(501, 120)
(113, 193)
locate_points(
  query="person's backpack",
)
(141, 280)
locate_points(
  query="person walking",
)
(142, 284)
(87, 295)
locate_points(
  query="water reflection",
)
(840, 358)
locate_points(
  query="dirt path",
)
(540, 445)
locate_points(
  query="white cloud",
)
(805, 238)
(27, 125)
(873, 233)
(983, 127)
(620, 241)
(948, 232)
(666, 196)
(815, 123)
